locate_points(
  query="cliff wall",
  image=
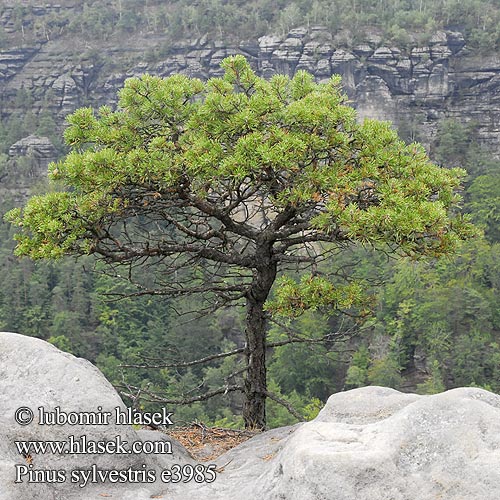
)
(415, 88)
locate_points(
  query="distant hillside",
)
(397, 22)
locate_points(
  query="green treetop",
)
(236, 181)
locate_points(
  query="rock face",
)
(372, 443)
(40, 149)
(27, 162)
(415, 88)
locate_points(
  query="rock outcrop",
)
(371, 443)
(27, 163)
(38, 148)
(34, 374)
(413, 87)
(374, 443)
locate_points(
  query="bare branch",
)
(178, 292)
(185, 401)
(184, 364)
(121, 252)
(286, 404)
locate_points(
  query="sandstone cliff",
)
(415, 88)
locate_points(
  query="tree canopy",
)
(239, 182)
(405, 23)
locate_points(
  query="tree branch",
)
(184, 364)
(286, 404)
(185, 401)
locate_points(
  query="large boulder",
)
(34, 374)
(373, 443)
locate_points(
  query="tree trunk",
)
(254, 411)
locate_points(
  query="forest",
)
(399, 22)
(434, 324)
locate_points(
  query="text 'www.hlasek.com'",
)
(78, 445)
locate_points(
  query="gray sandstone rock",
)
(373, 443)
(27, 163)
(34, 374)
